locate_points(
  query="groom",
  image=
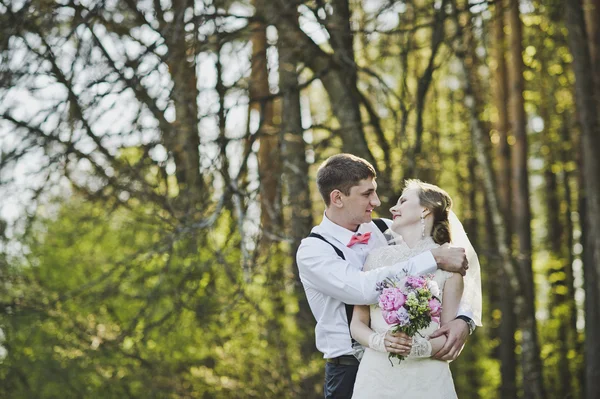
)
(330, 261)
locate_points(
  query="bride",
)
(420, 223)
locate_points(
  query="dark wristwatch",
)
(469, 322)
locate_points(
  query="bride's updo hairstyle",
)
(439, 203)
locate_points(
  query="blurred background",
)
(157, 172)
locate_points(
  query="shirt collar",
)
(338, 232)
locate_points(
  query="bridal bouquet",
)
(409, 304)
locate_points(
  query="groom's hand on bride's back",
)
(451, 259)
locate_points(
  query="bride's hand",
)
(451, 259)
(398, 343)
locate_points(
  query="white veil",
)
(470, 303)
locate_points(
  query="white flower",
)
(433, 287)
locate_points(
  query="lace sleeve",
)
(421, 347)
(376, 341)
(386, 256)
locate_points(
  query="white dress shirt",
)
(330, 282)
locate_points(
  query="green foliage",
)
(120, 305)
(134, 297)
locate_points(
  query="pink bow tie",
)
(359, 239)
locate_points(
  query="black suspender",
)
(349, 308)
(382, 226)
(336, 249)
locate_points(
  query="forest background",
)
(157, 173)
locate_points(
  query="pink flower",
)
(436, 307)
(416, 282)
(436, 319)
(391, 299)
(390, 317)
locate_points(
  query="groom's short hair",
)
(342, 172)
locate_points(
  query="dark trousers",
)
(339, 380)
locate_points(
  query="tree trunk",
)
(222, 120)
(566, 156)
(336, 71)
(269, 165)
(587, 107)
(592, 21)
(424, 82)
(468, 380)
(559, 269)
(508, 322)
(484, 162)
(592, 313)
(295, 176)
(483, 159)
(501, 103)
(272, 256)
(532, 367)
(591, 373)
(183, 140)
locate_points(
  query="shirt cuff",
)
(423, 263)
(467, 313)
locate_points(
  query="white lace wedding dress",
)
(422, 378)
